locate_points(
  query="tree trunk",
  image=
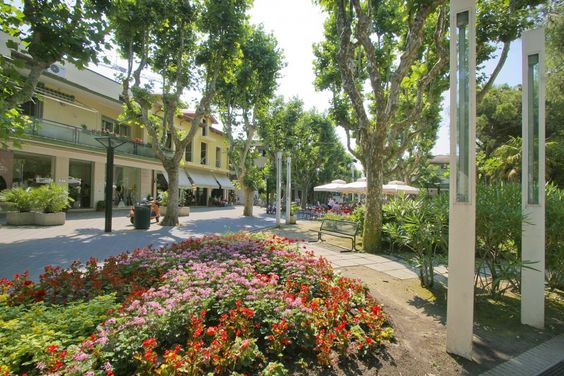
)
(374, 180)
(248, 192)
(171, 217)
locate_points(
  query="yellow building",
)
(71, 109)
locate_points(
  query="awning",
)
(202, 179)
(183, 181)
(224, 182)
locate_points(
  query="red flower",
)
(211, 331)
(52, 348)
(151, 342)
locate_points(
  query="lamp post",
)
(110, 144)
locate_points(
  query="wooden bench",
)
(341, 229)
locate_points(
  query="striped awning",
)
(202, 179)
(224, 182)
(183, 181)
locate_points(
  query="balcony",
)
(68, 134)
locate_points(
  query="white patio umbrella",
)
(395, 187)
(358, 186)
(330, 187)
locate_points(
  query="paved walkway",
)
(386, 264)
(32, 247)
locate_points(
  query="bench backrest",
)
(341, 227)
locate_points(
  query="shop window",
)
(31, 170)
(218, 157)
(188, 154)
(204, 154)
(33, 108)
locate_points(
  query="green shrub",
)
(420, 225)
(164, 198)
(22, 198)
(100, 205)
(358, 217)
(554, 237)
(498, 236)
(28, 330)
(52, 198)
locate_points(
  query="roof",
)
(190, 114)
(440, 159)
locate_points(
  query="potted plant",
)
(163, 202)
(52, 199)
(100, 205)
(183, 211)
(294, 209)
(23, 201)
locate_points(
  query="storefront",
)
(80, 183)
(127, 181)
(31, 170)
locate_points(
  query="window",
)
(204, 154)
(33, 108)
(188, 154)
(112, 126)
(218, 157)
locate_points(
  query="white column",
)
(533, 192)
(99, 181)
(61, 171)
(462, 214)
(278, 185)
(288, 188)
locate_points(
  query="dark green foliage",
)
(498, 236)
(554, 237)
(420, 225)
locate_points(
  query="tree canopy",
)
(240, 100)
(386, 63)
(42, 33)
(189, 44)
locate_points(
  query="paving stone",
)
(387, 266)
(403, 274)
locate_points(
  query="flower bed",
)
(235, 304)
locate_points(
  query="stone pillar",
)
(462, 214)
(533, 180)
(99, 181)
(61, 171)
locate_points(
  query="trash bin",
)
(142, 217)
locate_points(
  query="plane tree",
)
(386, 63)
(190, 45)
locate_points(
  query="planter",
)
(183, 211)
(20, 219)
(292, 220)
(50, 219)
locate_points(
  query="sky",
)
(298, 24)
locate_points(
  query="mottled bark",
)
(375, 179)
(171, 217)
(248, 200)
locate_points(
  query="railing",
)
(52, 130)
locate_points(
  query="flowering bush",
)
(226, 305)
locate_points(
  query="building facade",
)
(71, 108)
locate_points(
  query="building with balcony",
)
(70, 109)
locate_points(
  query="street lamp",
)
(110, 144)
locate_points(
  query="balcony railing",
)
(51, 130)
